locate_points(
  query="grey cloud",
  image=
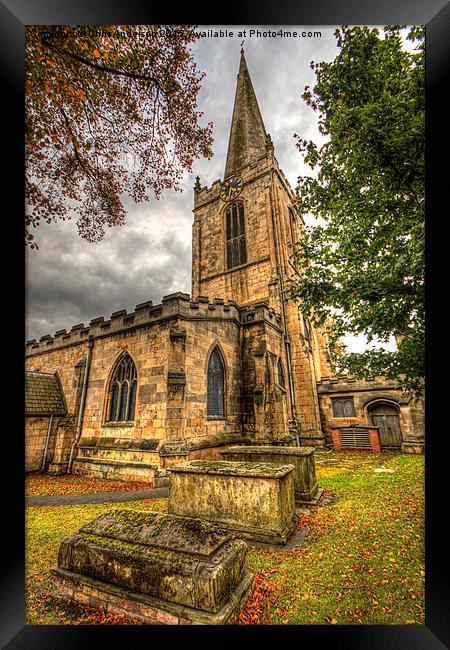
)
(71, 281)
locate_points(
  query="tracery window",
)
(216, 385)
(235, 234)
(122, 393)
(343, 407)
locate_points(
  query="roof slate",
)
(248, 133)
(43, 395)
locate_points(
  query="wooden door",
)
(386, 416)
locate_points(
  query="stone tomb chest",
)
(254, 500)
(154, 567)
(306, 488)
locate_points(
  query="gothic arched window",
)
(122, 392)
(216, 385)
(235, 232)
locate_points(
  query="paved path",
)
(99, 497)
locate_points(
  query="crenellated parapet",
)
(260, 311)
(172, 307)
(249, 172)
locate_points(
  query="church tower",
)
(243, 230)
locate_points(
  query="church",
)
(233, 363)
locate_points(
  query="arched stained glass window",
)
(216, 385)
(235, 234)
(114, 400)
(132, 401)
(122, 394)
(123, 402)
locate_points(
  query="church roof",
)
(43, 394)
(248, 134)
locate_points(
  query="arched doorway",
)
(386, 416)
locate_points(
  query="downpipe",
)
(49, 430)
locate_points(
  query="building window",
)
(216, 386)
(236, 248)
(281, 381)
(122, 393)
(343, 407)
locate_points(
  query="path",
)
(99, 497)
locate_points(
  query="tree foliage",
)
(109, 110)
(362, 265)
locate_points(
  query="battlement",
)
(206, 194)
(173, 306)
(259, 311)
(249, 171)
(348, 383)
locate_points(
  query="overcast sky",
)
(71, 281)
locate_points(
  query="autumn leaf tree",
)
(362, 264)
(109, 110)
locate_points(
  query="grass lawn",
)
(362, 561)
(37, 484)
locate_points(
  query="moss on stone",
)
(155, 528)
(264, 450)
(148, 444)
(230, 468)
(106, 442)
(124, 443)
(87, 442)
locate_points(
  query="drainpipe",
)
(90, 345)
(46, 442)
(287, 337)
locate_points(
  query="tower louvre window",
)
(216, 385)
(122, 393)
(235, 232)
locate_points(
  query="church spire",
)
(248, 134)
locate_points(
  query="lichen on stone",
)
(158, 529)
(234, 468)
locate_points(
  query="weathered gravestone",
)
(154, 567)
(254, 500)
(307, 491)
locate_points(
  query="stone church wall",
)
(36, 433)
(243, 311)
(210, 276)
(366, 394)
(170, 345)
(266, 404)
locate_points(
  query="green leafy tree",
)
(362, 265)
(109, 110)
